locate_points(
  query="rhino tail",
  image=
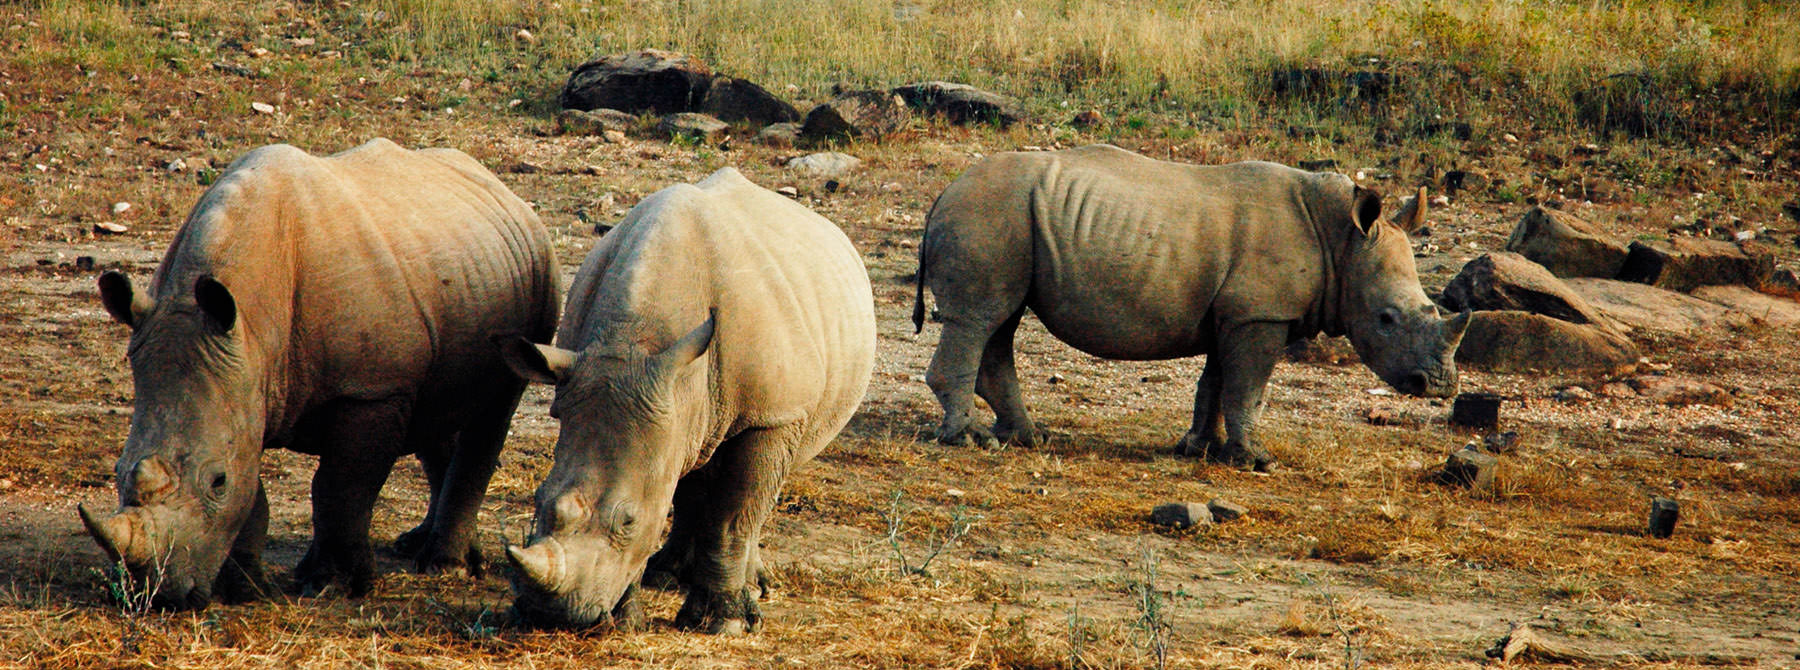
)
(918, 315)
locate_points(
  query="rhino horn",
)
(541, 562)
(1454, 329)
(117, 534)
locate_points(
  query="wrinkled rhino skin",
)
(1126, 257)
(340, 306)
(719, 337)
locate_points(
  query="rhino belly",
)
(1105, 326)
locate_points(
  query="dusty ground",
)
(1349, 553)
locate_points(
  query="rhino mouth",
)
(1429, 383)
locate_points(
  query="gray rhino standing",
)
(339, 306)
(1130, 258)
(719, 337)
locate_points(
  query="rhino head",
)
(630, 429)
(1396, 330)
(187, 478)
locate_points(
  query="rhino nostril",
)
(1417, 382)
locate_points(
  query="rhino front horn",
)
(542, 563)
(116, 534)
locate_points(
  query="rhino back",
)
(795, 330)
(1135, 258)
(375, 271)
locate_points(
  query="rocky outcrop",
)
(652, 80)
(960, 103)
(1508, 281)
(1518, 342)
(734, 99)
(1565, 245)
(855, 114)
(1687, 263)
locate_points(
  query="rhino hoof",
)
(1028, 436)
(727, 613)
(1194, 446)
(970, 436)
(411, 542)
(439, 562)
(1239, 455)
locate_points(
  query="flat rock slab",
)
(1688, 263)
(593, 122)
(1520, 342)
(827, 164)
(1565, 245)
(690, 124)
(1679, 392)
(1509, 281)
(1641, 306)
(962, 104)
(1769, 309)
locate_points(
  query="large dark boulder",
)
(960, 103)
(1687, 263)
(734, 99)
(1521, 342)
(1565, 245)
(855, 114)
(660, 82)
(1508, 281)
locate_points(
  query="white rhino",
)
(719, 337)
(1126, 257)
(340, 306)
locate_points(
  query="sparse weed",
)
(1153, 625)
(961, 522)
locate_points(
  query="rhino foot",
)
(970, 436)
(1026, 436)
(720, 613)
(411, 542)
(1245, 456)
(628, 614)
(1194, 445)
(315, 577)
(437, 561)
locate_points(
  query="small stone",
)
(525, 36)
(1470, 468)
(955, 493)
(1153, 379)
(780, 135)
(829, 164)
(592, 122)
(121, 207)
(613, 136)
(1500, 443)
(176, 165)
(1678, 392)
(303, 41)
(84, 263)
(1663, 515)
(263, 107)
(1617, 390)
(1087, 119)
(1510, 138)
(690, 124)
(789, 191)
(522, 167)
(110, 228)
(1181, 515)
(1224, 510)
(1573, 394)
(1055, 378)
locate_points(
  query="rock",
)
(1508, 281)
(1153, 379)
(960, 103)
(1464, 180)
(1224, 511)
(1469, 468)
(1055, 378)
(84, 263)
(1519, 342)
(1768, 309)
(1476, 410)
(789, 191)
(694, 125)
(829, 164)
(262, 107)
(651, 80)
(1501, 443)
(110, 228)
(613, 136)
(1644, 307)
(1677, 392)
(1687, 263)
(593, 122)
(1181, 515)
(780, 135)
(734, 99)
(521, 167)
(1572, 394)
(1617, 390)
(855, 114)
(1565, 245)
(121, 207)
(1663, 515)
(1087, 119)
(176, 165)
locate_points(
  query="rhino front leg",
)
(242, 579)
(998, 384)
(363, 441)
(1247, 357)
(725, 570)
(668, 566)
(451, 545)
(1207, 434)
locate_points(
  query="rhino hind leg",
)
(434, 460)
(998, 384)
(1207, 435)
(475, 453)
(360, 442)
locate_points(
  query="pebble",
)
(1181, 515)
(176, 165)
(789, 191)
(1663, 514)
(1055, 378)
(1224, 510)
(263, 107)
(110, 228)
(1470, 468)
(121, 207)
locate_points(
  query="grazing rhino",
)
(719, 337)
(1126, 257)
(340, 306)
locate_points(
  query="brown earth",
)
(1350, 552)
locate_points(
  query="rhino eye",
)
(1387, 317)
(218, 482)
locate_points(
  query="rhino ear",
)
(1365, 208)
(1411, 217)
(540, 363)
(215, 302)
(125, 305)
(690, 346)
